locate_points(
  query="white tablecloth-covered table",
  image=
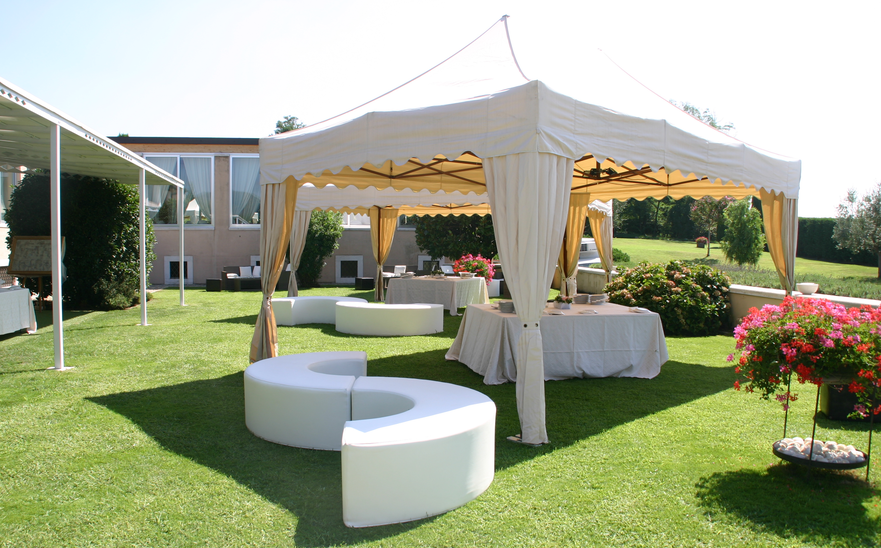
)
(453, 293)
(16, 310)
(613, 342)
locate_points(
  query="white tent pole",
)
(142, 241)
(55, 200)
(180, 262)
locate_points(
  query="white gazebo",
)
(475, 123)
(38, 136)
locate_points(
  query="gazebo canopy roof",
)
(433, 132)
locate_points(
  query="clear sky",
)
(796, 78)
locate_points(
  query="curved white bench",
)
(297, 310)
(302, 400)
(413, 449)
(389, 320)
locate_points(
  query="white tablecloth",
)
(614, 342)
(16, 310)
(453, 293)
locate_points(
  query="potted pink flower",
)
(811, 341)
(702, 241)
(480, 266)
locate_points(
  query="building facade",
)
(222, 214)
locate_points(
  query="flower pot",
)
(836, 401)
(560, 305)
(701, 245)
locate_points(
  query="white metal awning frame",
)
(34, 135)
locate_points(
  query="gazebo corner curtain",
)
(277, 203)
(298, 243)
(571, 247)
(383, 222)
(601, 226)
(781, 232)
(529, 197)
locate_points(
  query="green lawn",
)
(834, 278)
(143, 443)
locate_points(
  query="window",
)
(244, 187)
(349, 267)
(197, 172)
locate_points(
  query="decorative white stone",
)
(828, 451)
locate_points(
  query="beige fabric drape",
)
(571, 248)
(298, 242)
(781, 232)
(529, 198)
(601, 228)
(277, 206)
(383, 222)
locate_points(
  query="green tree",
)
(288, 123)
(677, 222)
(325, 229)
(706, 214)
(858, 224)
(456, 235)
(705, 116)
(99, 223)
(743, 242)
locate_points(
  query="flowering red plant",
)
(815, 339)
(480, 266)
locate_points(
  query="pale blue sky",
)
(794, 79)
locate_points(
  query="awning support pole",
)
(142, 241)
(55, 205)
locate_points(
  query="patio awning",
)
(34, 135)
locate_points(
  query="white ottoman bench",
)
(297, 310)
(413, 449)
(302, 400)
(389, 320)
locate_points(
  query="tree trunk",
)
(708, 244)
(879, 265)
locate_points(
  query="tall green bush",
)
(325, 229)
(691, 299)
(99, 224)
(456, 235)
(743, 242)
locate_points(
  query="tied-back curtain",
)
(278, 204)
(529, 197)
(601, 227)
(571, 247)
(156, 194)
(196, 173)
(383, 222)
(245, 188)
(781, 232)
(298, 242)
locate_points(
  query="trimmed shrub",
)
(815, 241)
(691, 299)
(99, 223)
(325, 228)
(619, 256)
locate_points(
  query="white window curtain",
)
(245, 189)
(156, 194)
(529, 198)
(196, 173)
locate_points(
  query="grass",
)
(834, 278)
(143, 443)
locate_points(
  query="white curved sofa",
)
(317, 309)
(411, 448)
(389, 320)
(302, 400)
